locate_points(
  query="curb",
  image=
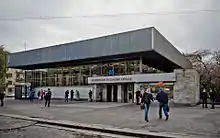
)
(99, 128)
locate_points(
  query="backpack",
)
(48, 94)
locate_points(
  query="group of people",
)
(71, 95)
(205, 95)
(42, 94)
(145, 99)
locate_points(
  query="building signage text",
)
(112, 79)
(157, 77)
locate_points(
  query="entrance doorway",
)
(128, 89)
(109, 93)
(115, 93)
(125, 92)
(131, 92)
(112, 93)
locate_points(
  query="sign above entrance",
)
(168, 77)
(110, 79)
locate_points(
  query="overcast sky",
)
(187, 32)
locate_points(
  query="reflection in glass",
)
(78, 75)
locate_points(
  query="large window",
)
(78, 75)
(119, 68)
(9, 82)
(96, 70)
(9, 90)
(9, 75)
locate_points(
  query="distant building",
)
(13, 76)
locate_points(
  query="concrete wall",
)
(186, 88)
(58, 92)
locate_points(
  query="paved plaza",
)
(16, 128)
(194, 121)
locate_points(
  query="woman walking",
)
(146, 100)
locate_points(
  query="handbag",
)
(142, 106)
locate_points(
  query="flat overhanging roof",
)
(147, 43)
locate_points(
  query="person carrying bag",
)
(146, 101)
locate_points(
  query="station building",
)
(116, 65)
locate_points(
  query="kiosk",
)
(22, 90)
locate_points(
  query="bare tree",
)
(207, 63)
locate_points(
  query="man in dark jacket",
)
(2, 96)
(32, 94)
(212, 98)
(71, 95)
(204, 99)
(66, 95)
(48, 98)
(162, 98)
(90, 95)
(146, 100)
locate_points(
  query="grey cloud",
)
(186, 32)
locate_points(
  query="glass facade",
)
(78, 75)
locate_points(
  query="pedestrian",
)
(48, 98)
(138, 94)
(90, 95)
(66, 95)
(38, 94)
(42, 93)
(71, 95)
(204, 99)
(31, 96)
(2, 96)
(146, 100)
(162, 98)
(77, 95)
(212, 99)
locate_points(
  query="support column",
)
(79, 76)
(41, 78)
(122, 93)
(126, 67)
(140, 65)
(46, 76)
(90, 71)
(96, 90)
(112, 93)
(119, 93)
(94, 87)
(101, 69)
(62, 77)
(104, 92)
